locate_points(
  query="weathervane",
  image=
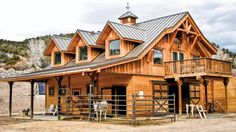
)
(127, 7)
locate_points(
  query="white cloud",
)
(22, 19)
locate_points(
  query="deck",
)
(198, 67)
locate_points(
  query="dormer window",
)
(114, 47)
(57, 59)
(83, 54)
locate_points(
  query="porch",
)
(198, 67)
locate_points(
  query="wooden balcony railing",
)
(198, 66)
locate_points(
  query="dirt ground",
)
(216, 123)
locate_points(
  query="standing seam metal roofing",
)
(128, 14)
(129, 32)
(153, 28)
(89, 37)
(61, 42)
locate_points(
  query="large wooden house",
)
(162, 56)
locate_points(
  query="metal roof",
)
(146, 31)
(89, 37)
(61, 42)
(154, 28)
(128, 14)
(129, 32)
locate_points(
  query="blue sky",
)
(22, 19)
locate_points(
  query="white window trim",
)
(177, 55)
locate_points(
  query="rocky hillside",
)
(21, 55)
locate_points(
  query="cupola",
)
(128, 17)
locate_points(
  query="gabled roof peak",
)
(127, 14)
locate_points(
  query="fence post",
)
(174, 107)
(90, 102)
(134, 109)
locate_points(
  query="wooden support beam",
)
(187, 31)
(201, 80)
(10, 97)
(206, 96)
(179, 83)
(172, 39)
(32, 99)
(226, 82)
(149, 56)
(206, 54)
(193, 44)
(59, 80)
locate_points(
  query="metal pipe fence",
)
(130, 108)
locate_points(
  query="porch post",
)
(32, 99)
(59, 80)
(179, 82)
(226, 82)
(205, 83)
(10, 97)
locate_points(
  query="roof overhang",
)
(50, 46)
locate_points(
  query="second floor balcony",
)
(198, 66)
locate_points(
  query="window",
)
(57, 58)
(158, 56)
(62, 91)
(181, 56)
(76, 92)
(177, 56)
(83, 54)
(114, 47)
(179, 37)
(194, 91)
(51, 91)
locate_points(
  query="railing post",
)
(174, 107)
(134, 109)
(90, 102)
(10, 97)
(32, 99)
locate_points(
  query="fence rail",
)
(133, 108)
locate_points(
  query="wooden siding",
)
(65, 58)
(92, 52)
(232, 94)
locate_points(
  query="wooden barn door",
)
(194, 93)
(160, 97)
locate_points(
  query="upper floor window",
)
(57, 59)
(177, 56)
(114, 47)
(158, 56)
(83, 54)
(181, 56)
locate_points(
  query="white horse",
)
(101, 108)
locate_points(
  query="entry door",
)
(160, 97)
(194, 93)
(173, 89)
(185, 96)
(119, 100)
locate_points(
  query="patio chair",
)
(201, 111)
(51, 110)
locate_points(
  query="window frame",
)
(110, 53)
(79, 53)
(51, 91)
(56, 59)
(178, 56)
(76, 90)
(161, 58)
